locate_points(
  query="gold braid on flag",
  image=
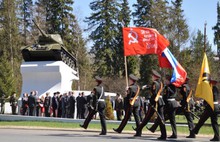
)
(135, 97)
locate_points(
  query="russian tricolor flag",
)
(179, 74)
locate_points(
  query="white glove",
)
(145, 86)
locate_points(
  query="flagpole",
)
(205, 36)
(126, 71)
(125, 60)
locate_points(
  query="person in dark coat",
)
(13, 103)
(78, 108)
(98, 106)
(156, 104)
(64, 105)
(31, 103)
(60, 106)
(24, 105)
(83, 104)
(55, 104)
(209, 112)
(47, 104)
(71, 105)
(132, 95)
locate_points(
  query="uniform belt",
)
(215, 103)
(171, 99)
(101, 100)
(161, 96)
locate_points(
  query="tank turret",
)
(49, 47)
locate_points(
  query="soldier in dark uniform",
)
(132, 91)
(154, 105)
(98, 105)
(184, 91)
(185, 107)
(171, 104)
(209, 112)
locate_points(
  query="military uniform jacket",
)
(132, 90)
(99, 91)
(184, 95)
(170, 96)
(154, 90)
(215, 99)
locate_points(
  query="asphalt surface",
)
(26, 134)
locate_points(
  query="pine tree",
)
(178, 32)
(9, 52)
(7, 81)
(25, 17)
(196, 52)
(216, 29)
(103, 24)
(78, 48)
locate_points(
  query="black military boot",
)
(116, 130)
(138, 134)
(191, 135)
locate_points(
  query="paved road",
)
(52, 135)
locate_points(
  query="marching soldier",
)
(185, 106)
(132, 104)
(208, 112)
(185, 92)
(171, 104)
(98, 105)
(156, 105)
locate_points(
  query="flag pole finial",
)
(205, 36)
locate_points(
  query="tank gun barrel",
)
(41, 31)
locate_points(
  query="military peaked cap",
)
(98, 78)
(132, 77)
(155, 73)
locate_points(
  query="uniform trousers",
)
(208, 112)
(147, 118)
(127, 116)
(92, 112)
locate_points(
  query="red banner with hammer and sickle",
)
(140, 41)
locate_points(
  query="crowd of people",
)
(55, 105)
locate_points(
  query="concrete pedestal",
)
(47, 76)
